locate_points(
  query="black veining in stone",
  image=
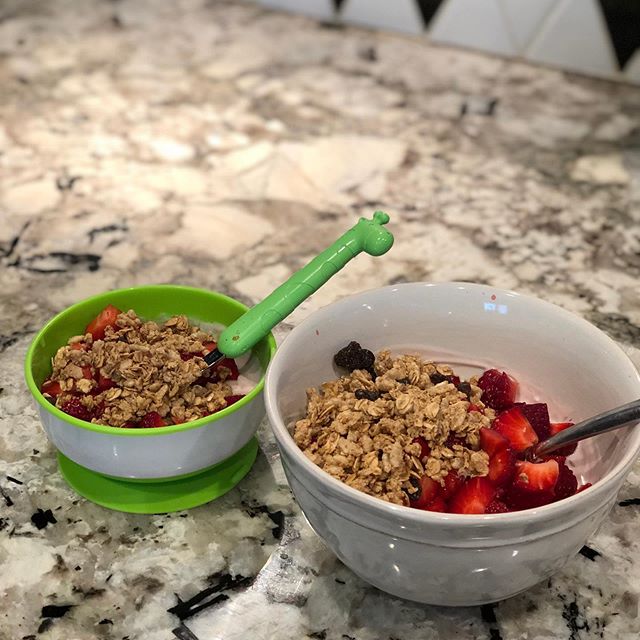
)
(222, 582)
(277, 517)
(7, 252)
(55, 610)
(590, 553)
(14, 480)
(106, 229)
(318, 635)
(58, 262)
(105, 621)
(488, 614)
(629, 502)
(42, 518)
(575, 619)
(65, 183)
(183, 633)
(10, 339)
(7, 499)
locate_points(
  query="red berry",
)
(567, 483)
(497, 506)
(492, 441)
(474, 496)
(74, 407)
(151, 420)
(515, 428)
(105, 383)
(583, 487)
(106, 318)
(557, 427)
(474, 407)
(209, 346)
(437, 504)
(498, 389)
(517, 499)
(536, 476)
(187, 356)
(233, 399)
(87, 372)
(231, 365)
(78, 346)
(425, 449)
(538, 416)
(428, 491)
(502, 466)
(51, 388)
(451, 483)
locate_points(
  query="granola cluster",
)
(361, 428)
(147, 368)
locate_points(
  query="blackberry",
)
(437, 378)
(465, 387)
(364, 394)
(353, 357)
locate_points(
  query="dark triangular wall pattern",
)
(428, 9)
(623, 22)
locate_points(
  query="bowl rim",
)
(418, 516)
(140, 431)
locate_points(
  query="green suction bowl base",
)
(165, 495)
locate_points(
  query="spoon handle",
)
(367, 235)
(603, 422)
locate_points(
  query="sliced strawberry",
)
(129, 425)
(104, 383)
(474, 407)
(51, 388)
(451, 440)
(538, 416)
(209, 346)
(498, 389)
(502, 466)
(151, 420)
(438, 504)
(516, 428)
(425, 449)
(106, 318)
(454, 380)
(78, 346)
(233, 399)
(474, 496)
(231, 365)
(567, 483)
(536, 476)
(497, 506)
(492, 441)
(87, 372)
(428, 491)
(187, 356)
(584, 486)
(74, 407)
(517, 499)
(557, 427)
(452, 481)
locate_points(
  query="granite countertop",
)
(218, 145)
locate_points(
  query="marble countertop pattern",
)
(218, 145)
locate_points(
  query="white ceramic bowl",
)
(451, 559)
(146, 454)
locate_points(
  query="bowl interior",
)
(155, 302)
(557, 357)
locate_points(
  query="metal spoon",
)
(603, 422)
(369, 236)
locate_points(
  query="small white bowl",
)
(452, 559)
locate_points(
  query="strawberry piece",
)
(187, 356)
(51, 388)
(129, 425)
(492, 441)
(567, 483)
(474, 496)
(451, 440)
(428, 491)
(498, 389)
(502, 466)
(452, 482)
(104, 383)
(557, 427)
(209, 346)
(425, 449)
(106, 318)
(233, 399)
(474, 407)
(438, 504)
(74, 407)
(497, 506)
(538, 416)
(536, 476)
(87, 372)
(228, 363)
(454, 380)
(517, 499)
(516, 429)
(151, 420)
(78, 346)
(584, 486)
